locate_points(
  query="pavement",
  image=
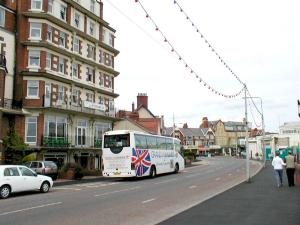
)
(258, 202)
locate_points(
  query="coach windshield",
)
(116, 142)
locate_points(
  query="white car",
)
(17, 178)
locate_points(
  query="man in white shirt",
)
(278, 164)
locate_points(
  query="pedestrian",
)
(278, 164)
(290, 168)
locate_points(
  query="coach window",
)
(169, 142)
(151, 141)
(161, 143)
(140, 141)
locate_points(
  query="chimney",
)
(204, 122)
(185, 125)
(132, 107)
(142, 100)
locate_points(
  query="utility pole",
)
(247, 142)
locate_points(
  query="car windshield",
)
(49, 164)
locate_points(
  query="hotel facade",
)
(65, 79)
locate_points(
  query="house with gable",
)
(140, 118)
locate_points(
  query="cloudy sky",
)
(259, 40)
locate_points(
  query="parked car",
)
(48, 168)
(17, 178)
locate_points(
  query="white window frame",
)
(63, 9)
(48, 61)
(33, 84)
(77, 19)
(61, 62)
(62, 39)
(33, 3)
(92, 28)
(92, 6)
(34, 54)
(50, 6)
(27, 122)
(76, 45)
(90, 97)
(2, 17)
(60, 93)
(75, 71)
(75, 93)
(90, 73)
(49, 33)
(35, 27)
(90, 48)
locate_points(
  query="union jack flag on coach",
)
(141, 160)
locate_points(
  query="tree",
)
(14, 145)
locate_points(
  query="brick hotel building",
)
(65, 79)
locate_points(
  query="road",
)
(133, 201)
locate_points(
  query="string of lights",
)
(188, 18)
(184, 62)
(253, 117)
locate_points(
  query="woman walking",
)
(278, 164)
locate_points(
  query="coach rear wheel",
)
(152, 172)
(176, 168)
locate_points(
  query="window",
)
(111, 39)
(55, 126)
(61, 93)
(140, 141)
(111, 105)
(101, 80)
(26, 172)
(110, 82)
(48, 61)
(92, 6)
(76, 45)
(61, 65)
(75, 96)
(50, 6)
(161, 143)
(75, 70)
(33, 88)
(151, 141)
(2, 17)
(62, 39)
(91, 51)
(30, 129)
(76, 19)
(13, 171)
(35, 30)
(63, 12)
(36, 4)
(49, 33)
(90, 74)
(90, 97)
(101, 100)
(92, 28)
(34, 58)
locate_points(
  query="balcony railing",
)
(10, 104)
(56, 142)
(63, 142)
(78, 108)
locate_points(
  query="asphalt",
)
(258, 202)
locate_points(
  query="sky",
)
(259, 41)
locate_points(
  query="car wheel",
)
(4, 191)
(45, 187)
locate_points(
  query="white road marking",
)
(26, 209)
(166, 181)
(62, 188)
(149, 200)
(217, 179)
(113, 192)
(193, 186)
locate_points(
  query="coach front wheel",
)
(152, 172)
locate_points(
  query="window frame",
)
(26, 129)
(48, 60)
(36, 1)
(50, 5)
(61, 61)
(76, 47)
(30, 84)
(63, 9)
(36, 54)
(2, 17)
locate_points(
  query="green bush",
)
(71, 171)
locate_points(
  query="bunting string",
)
(210, 46)
(183, 61)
